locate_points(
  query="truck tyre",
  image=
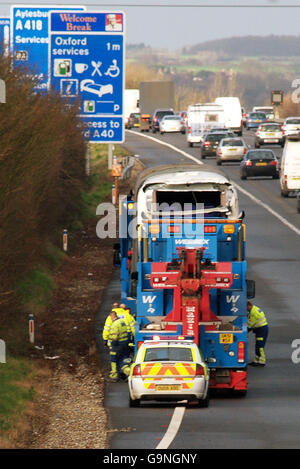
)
(134, 402)
(191, 144)
(219, 162)
(284, 193)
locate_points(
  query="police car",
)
(168, 370)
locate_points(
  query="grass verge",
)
(17, 382)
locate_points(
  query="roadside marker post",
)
(31, 328)
(65, 240)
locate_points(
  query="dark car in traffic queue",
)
(157, 117)
(211, 141)
(259, 163)
(133, 120)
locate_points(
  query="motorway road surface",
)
(269, 416)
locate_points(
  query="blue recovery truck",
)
(183, 265)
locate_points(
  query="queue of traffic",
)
(217, 128)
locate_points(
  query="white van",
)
(201, 118)
(232, 112)
(290, 166)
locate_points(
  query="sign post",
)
(87, 68)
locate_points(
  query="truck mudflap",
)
(228, 379)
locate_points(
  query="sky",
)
(171, 25)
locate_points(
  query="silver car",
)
(291, 125)
(269, 134)
(231, 149)
(171, 124)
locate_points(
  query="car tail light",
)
(137, 371)
(285, 179)
(139, 344)
(273, 163)
(220, 152)
(282, 130)
(199, 370)
(189, 130)
(241, 352)
(245, 151)
(248, 163)
(206, 143)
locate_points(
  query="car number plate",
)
(232, 149)
(261, 164)
(257, 120)
(272, 140)
(271, 134)
(168, 387)
(226, 338)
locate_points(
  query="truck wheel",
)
(134, 402)
(284, 193)
(219, 162)
(191, 144)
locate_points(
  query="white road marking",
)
(283, 220)
(172, 428)
(187, 155)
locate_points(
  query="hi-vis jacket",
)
(121, 313)
(256, 318)
(118, 331)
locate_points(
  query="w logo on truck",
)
(233, 299)
(149, 299)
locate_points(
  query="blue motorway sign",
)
(30, 40)
(4, 34)
(87, 66)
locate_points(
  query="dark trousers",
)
(118, 353)
(261, 335)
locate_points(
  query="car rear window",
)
(161, 114)
(232, 143)
(177, 354)
(261, 155)
(258, 115)
(293, 121)
(172, 118)
(271, 128)
(215, 137)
